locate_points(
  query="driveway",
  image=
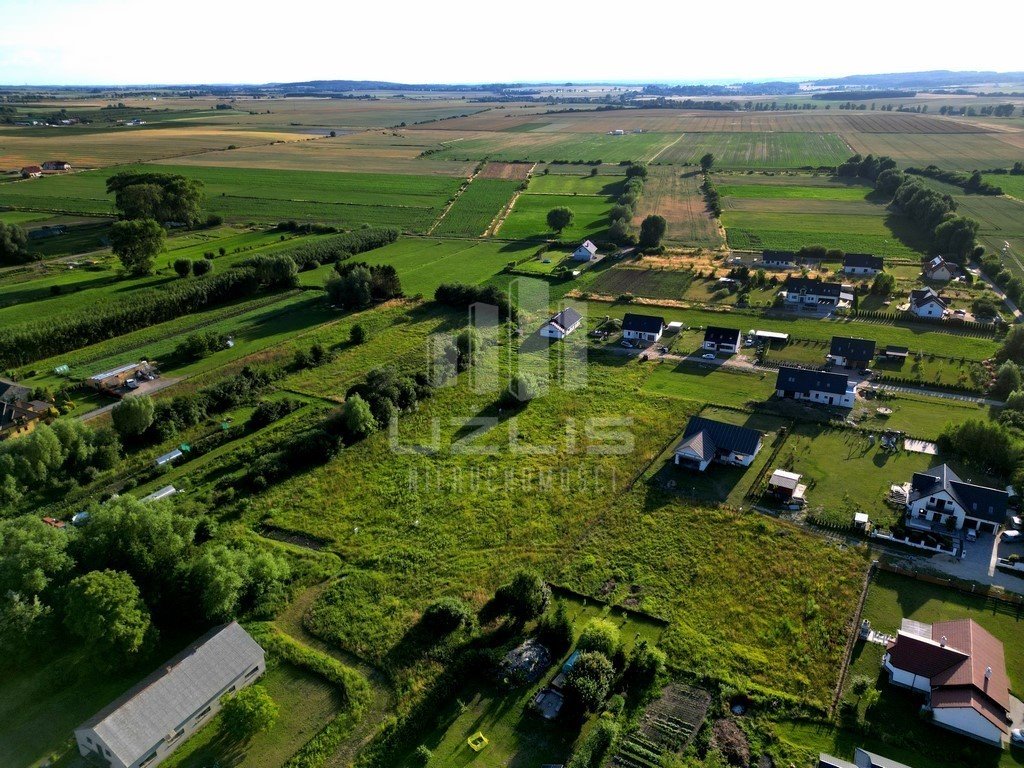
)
(146, 388)
(978, 563)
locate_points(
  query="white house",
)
(861, 759)
(938, 495)
(961, 669)
(850, 352)
(146, 724)
(562, 324)
(642, 327)
(586, 252)
(718, 339)
(707, 440)
(924, 302)
(863, 264)
(814, 294)
(939, 269)
(815, 386)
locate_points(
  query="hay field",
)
(758, 150)
(676, 195)
(533, 146)
(126, 145)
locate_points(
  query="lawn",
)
(476, 207)
(528, 218)
(862, 484)
(604, 185)
(710, 383)
(306, 703)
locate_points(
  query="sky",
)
(130, 42)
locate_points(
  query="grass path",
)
(455, 198)
(658, 154)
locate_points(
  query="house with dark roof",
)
(141, 728)
(961, 669)
(851, 353)
(815, 386)
(862, 264)
(707, 440)
(642, 327)
(56, 165)
(806, 293)
(938, 495)
(939, 269)
(562, 324)
(31, 172)
(10, 391)
(778, 259)
(586, 252)
(18, 417)
(925, 302)
(718, 339)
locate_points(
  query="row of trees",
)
(462, 295)
(972, 183)
(620, 231)
(357, 285)
(197, 267)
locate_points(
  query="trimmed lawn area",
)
(306, 703)
(845, 473)
(710, 383)
(922, 416)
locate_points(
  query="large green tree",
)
(358, 418)
(652, 229)
(706, 161)
(105, 611)
(560, 218)
(133, 415)
(13, 244)
(525, 597)
(165, 197)
(248, 712)
(136, 242)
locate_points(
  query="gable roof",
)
(31, 169)
(964, 664)
(705, 436)
(806, 381)
(566, 319)
(919, 297)
(10, 391)
(719, 335)
(778, 257)
(852, 349)
(863, 260)
(938, 263)
(813, 287)
(588, 246)
(133, 723)
(642, 323)
(978, 501)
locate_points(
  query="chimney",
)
(988, 672)
(942, 642)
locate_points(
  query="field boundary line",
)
(851, 643)
(499, 220)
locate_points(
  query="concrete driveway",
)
(978, 564)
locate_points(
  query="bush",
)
(248, 712)
(525, 597)
(589, 681)
(357, 335)
(446, 615)
(183, 267)
(554, 631)
(203, 266)
(522, 389)
(591, 751)
(423, 755)
(600, 635)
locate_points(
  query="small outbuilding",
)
(787, 488)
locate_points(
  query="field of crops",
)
(263, 195)
(759, 150)
(961, 152)
(476, 207)
(676, 195)
(534, 146)
(528, 218)
(650, 283)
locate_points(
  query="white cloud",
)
(192, 41)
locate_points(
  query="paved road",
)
(998, 292)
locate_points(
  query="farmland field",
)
(759, 150)
(677, 196)
(528, 218)
(960, 152)
(652, 283)
(263, 195)
(638, 147)
(476, 207)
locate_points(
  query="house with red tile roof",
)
(960, 668)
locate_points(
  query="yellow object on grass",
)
(477, 741)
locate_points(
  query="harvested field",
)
(517, 171)
(677, 196)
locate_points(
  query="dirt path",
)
(665, 148)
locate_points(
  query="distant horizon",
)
(639, 83)
(110, 43)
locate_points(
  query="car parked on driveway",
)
(1012, 537)
(708, 356)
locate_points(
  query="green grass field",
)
(569, 147)
(576, 184)
(528, 219)
(709, 383)
(263, 195)
(473, 212)
(759, 150)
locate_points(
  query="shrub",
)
(446, 615)
(522, 389)
(589, 681)
(203, 266)
(525, 597)
(357, 335)
(248, 712)
(183, 267)
(600, 635)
